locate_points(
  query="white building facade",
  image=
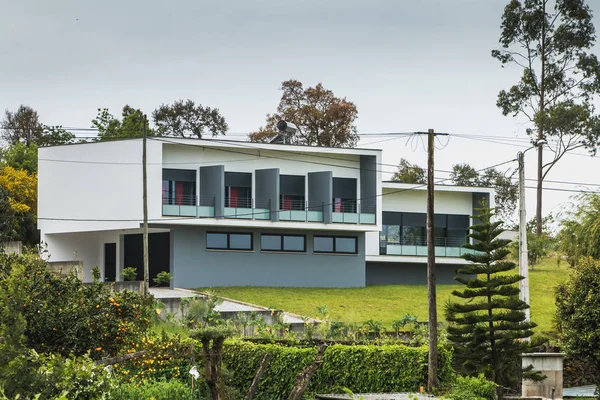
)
(226, 213)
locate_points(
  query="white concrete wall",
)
(87, 247)
(242, 159)
(96, 186)
(459, 203)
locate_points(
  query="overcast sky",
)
(408, 66)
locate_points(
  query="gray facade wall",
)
(267, 188)
(387, 273)
(194, 266)
(368, 182)
(212, 184)
(320, 190)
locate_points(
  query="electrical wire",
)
(418, 186)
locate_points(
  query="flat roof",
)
(438, 188)
(217, 142)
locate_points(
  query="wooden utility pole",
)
(431, 289)
(145, 197)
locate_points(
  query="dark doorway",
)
(159, 250)
(110, 262)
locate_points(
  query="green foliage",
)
(409, 173)
(129, 273)
(507, 191)
(131, 124)
(578, 312)
(472, 388)
(487, 327)
(20, 156)
(186, 119)
(9, 219)
(361, 369)
(50, 376)
(580, 231)
(156, 389)
(65, 316)
(401, 323)
(561, 74)
(163, 278)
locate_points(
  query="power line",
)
(253, 213)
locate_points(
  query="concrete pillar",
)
(549, 364)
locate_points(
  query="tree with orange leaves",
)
(322, 118)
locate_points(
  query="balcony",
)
(188, 206)
(300, 210)
(353, 212)
(247, 208)
(417, 246)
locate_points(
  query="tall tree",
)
(131, 124)
(507, 191)
(579, 235)
(560, 77)
(322, 118)
(21, 126)
(578, 312)
(488, 325)
(9, 222)
(409, 173)
(186, 119)
(20, 156)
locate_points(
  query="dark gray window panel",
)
(344, 188)
(294, 243)
(323, 244)
(240, 241)
(345, 245)
(391, 218)
(439, 220)
(180, 175)
(270, 242)
(216, 241)
(458, 221)
(238, 179)
(414, 219)
(292, 185)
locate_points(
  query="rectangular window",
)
(228, 241)
(335, 244)
(292, 243)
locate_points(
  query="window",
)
(292, 243)
(335, 244)
(228, 241)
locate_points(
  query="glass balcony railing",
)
(247, 208)
(353, 212)
(417, 246)
(188, 206)
(300, 210)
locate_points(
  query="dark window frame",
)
(229, 248)
(335, 251)
(281, 242)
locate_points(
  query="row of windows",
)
(290, 243)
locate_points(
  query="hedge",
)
(360, 368)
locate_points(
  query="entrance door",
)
(110, 262)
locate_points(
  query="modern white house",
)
(229, 213)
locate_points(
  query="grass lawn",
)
(388, 303)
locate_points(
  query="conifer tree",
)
(488, 325)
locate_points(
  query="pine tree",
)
(488, 326)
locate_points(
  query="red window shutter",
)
(178, 193)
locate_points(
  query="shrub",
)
(157, 390)
(361, 369)
(65, 316)
(129, 274)
(471, 388)
(163, 278)
(50, 376)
